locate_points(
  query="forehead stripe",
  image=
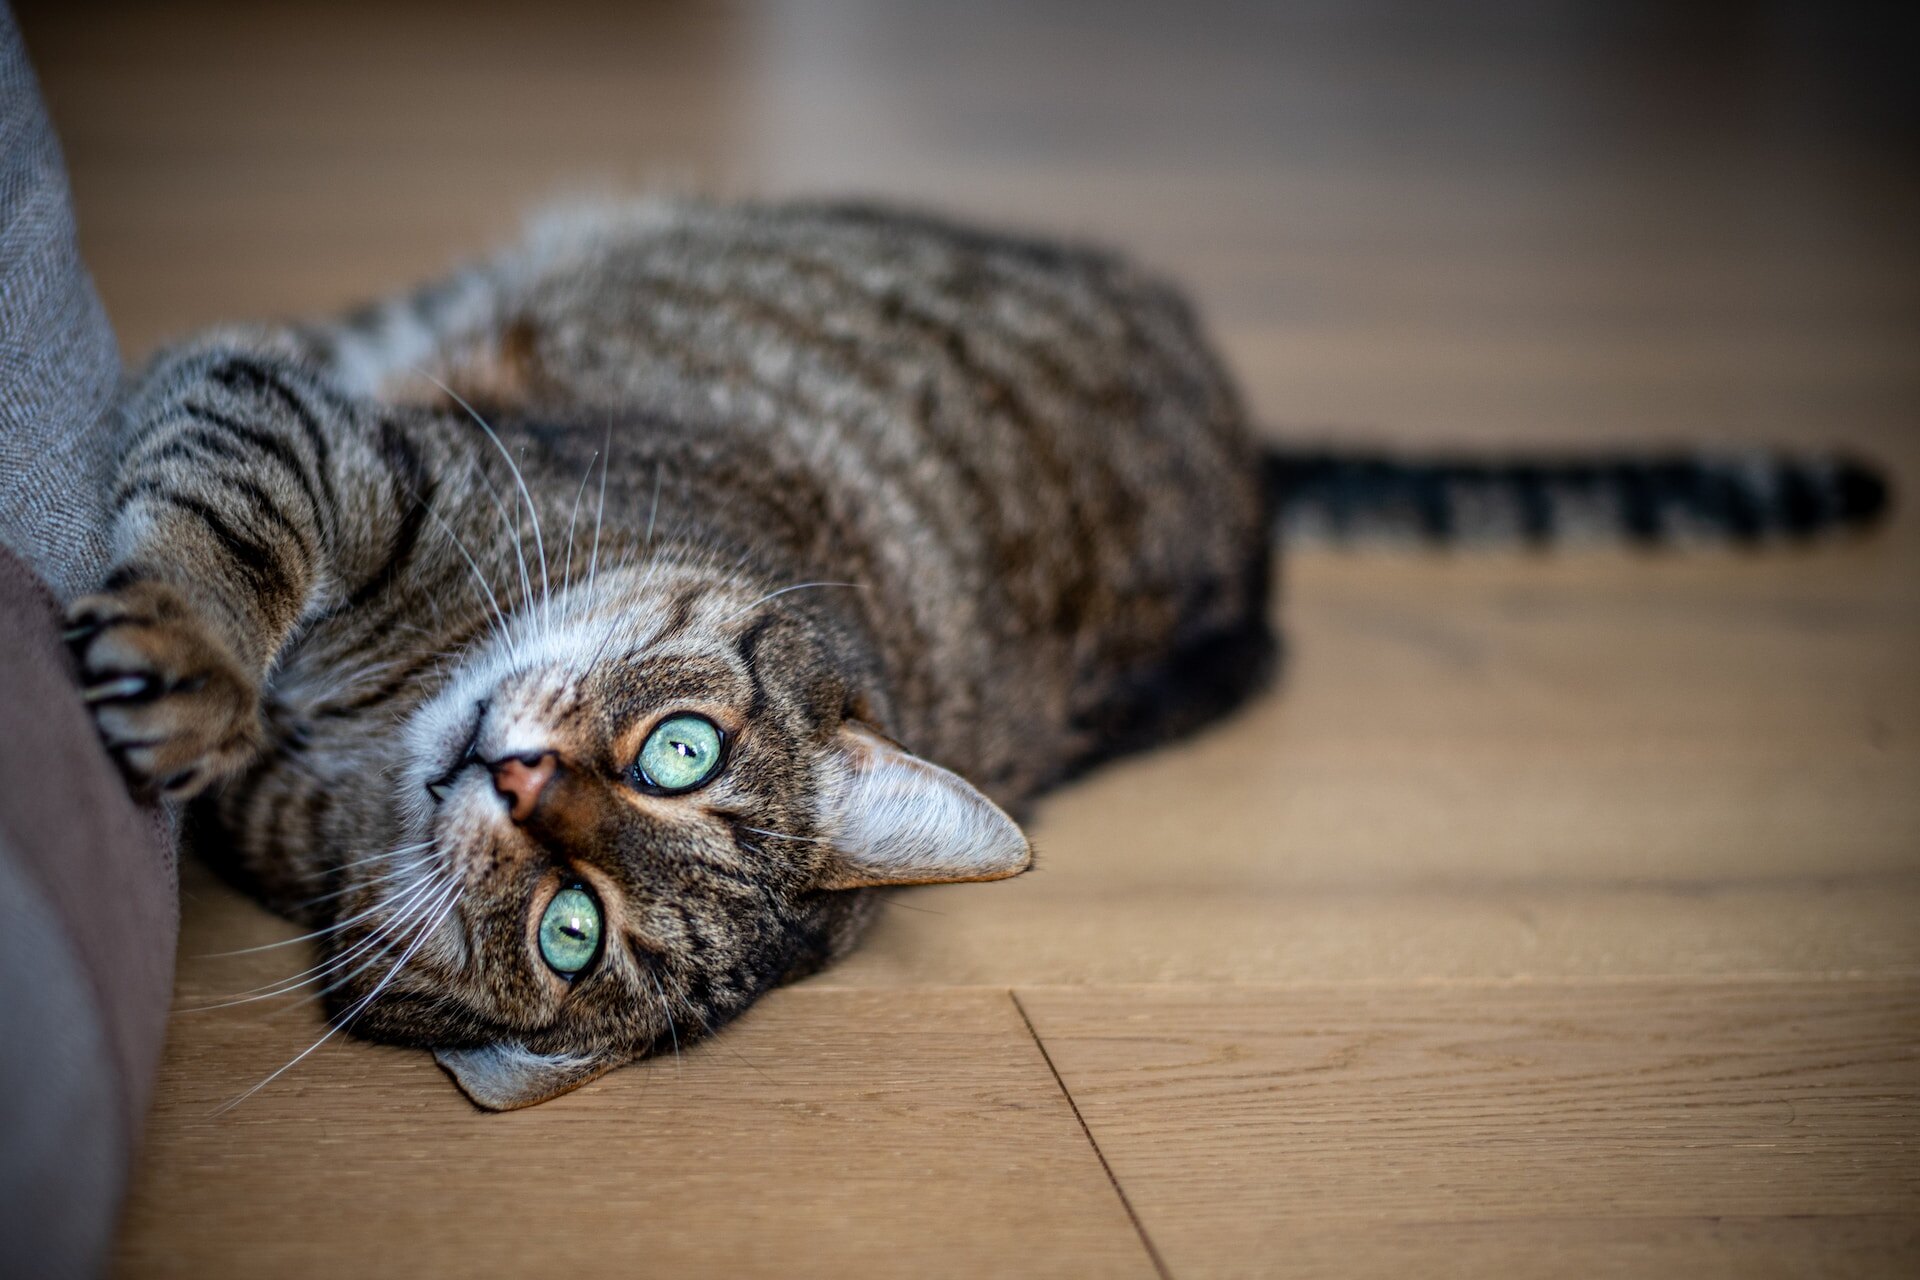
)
(680, 613)
(749, 649)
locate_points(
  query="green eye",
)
(570, 931)
(680, 754)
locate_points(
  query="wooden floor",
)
(1557, 916)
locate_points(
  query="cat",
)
(580, 641)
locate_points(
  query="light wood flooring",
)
(1556, 916)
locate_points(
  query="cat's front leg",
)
(228, 524)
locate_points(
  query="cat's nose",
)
(521, 779)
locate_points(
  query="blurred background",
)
(1660, 215)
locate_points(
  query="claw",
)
(118, 687)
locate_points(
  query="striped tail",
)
(1646, 500)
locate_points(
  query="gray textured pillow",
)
(59, 365)
(88, 906)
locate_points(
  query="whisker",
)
(503, 631)
(443, 907)
(798, 586)
(666, 1007)
(409, 905)
(346, 1019)
(364, 882)
(512, 526)
(701, 1018)
(891, 901)
(599, 516)
(393, 940)
(533, 512)
(784, 835)
(335, 927)
(472, 565)
(364, 860)
(566, 579)
(659, 474)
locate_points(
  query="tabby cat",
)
(577, 642)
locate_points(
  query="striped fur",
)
(894, 503)
(1653, 500)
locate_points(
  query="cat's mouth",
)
(441, 787)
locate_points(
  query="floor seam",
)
(1139, 1227)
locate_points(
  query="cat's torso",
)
(1022, 459)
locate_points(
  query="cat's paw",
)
(175, 707)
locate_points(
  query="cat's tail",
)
(1640, 499)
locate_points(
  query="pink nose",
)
(521, 779)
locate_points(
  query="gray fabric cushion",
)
(88, 918)
(88, 907)
(59, 365)
(64, 1153)
(102, 865)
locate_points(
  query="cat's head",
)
(634, 813)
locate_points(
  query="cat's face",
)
(624, 819)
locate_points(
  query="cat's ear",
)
(503, 1076)
(892, 818)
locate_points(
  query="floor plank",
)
(1499, 768)
(1586, 1128)
(832, 1133)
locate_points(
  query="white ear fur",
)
(503, 1076)
(893, 818)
